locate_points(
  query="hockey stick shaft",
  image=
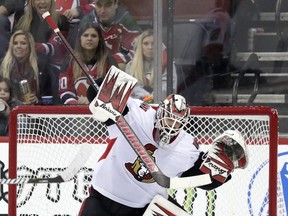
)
(135, 143)
(77, 163)
(128, 132)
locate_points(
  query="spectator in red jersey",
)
(118, 28)
(7, 103)
(91, 49)
(20, 63)
(50, 50)
(74, 10)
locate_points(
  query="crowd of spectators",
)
(101, 32)
(20, 63)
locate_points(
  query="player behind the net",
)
(121, 183)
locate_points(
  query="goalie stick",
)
(77, 163)
(127, 131)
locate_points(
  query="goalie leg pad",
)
(161, 206)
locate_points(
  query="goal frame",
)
(195, 110)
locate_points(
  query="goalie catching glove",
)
(228, 152)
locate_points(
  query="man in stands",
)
(119, 28)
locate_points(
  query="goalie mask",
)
(171, 117)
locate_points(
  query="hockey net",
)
(44, 139)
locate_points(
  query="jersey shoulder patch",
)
(144, 106)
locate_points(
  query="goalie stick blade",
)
(188, 182)
(57, 179)
(76, 164)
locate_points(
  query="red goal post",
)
(44, 139)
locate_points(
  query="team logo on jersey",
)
(138, 168)
(81, 85)
(145, 106)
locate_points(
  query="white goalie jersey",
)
(121, 166)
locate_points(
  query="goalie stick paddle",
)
(128, 132)
(66, 175)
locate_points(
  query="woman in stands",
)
(142, 66)
(91, 49)
(20, 63)
(50, 51)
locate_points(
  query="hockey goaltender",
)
(123, 183)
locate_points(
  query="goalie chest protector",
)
(123, 167)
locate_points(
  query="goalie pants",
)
(98, 205)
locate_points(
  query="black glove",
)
(91, 91)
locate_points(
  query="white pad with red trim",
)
(112, 95)
(162, 207)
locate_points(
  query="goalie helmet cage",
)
(44, 139)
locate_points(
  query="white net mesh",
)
(240, 194)
(46, 143)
